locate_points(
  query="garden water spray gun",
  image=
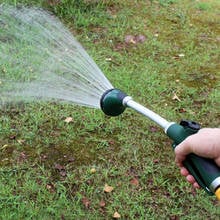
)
(206, 172)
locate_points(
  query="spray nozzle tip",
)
(112, 102)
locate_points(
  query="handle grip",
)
(204, 170)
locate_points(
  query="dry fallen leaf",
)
(3, 147)
(59, 167)
(53, 2)
(102, 203)
(181, 55)
(50, 187)
(63, 173)
(23, 155)
(182, 110)
(68, 119)
(154, 128)
(116, 215)
(134, 182)
(129, 39)
(108, 188)
(93, 170)
(140, 38)
(156, 161)
(86, 202)
(20, 141)
(175, 97)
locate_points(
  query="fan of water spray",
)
(41, 60)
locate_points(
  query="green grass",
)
(46, 163)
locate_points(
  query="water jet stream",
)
(41, 60)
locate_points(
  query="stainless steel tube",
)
(127, 101)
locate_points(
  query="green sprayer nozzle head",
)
(112, 102)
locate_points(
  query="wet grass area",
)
(165, 54)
